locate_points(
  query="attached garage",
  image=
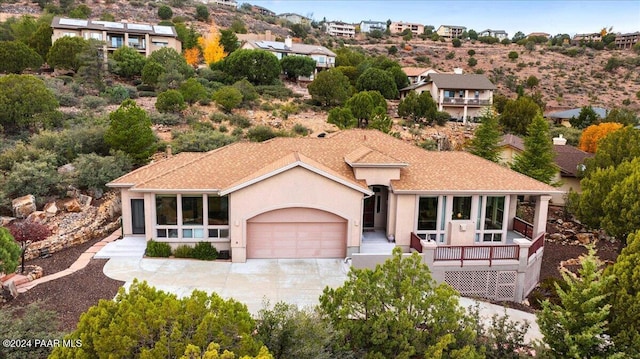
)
(296, 233)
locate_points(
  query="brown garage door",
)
(296, 233)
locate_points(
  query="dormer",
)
(374, 167)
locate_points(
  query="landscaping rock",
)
(51, 209)
(5, 221)
(85, 201)
(584, 238)
(23, 206)
(72, 205)
(37, 217)
(68, 168)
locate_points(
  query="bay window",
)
(183, 216)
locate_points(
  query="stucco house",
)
(145, 38)
(564, 117)
(498, 34)
(340, 196)
(451, 31)
(418, 74)
(569, 160)
(463, 96)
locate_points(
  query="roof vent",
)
(457, 71)
(559, 140)
(322, 135)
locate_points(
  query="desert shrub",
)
(200, 141)
(472, 62)
(157, 249)
(512, 55)
(170, 101)
(69, 143)
(237, 132)
(93, 102)
(223, 128)
(116, 94)
(300, 129)
(261, 133)
(30, 321)
(167, 119)
(218, 117)
(39, 178)
(429, 144)
(94, 172)
(21, 152)
(192, 91)
(248, 91)
(228, 98)
(147, 94)
(9, 256)
(205, 251)
(275, 91)
(239, 121)
(183, 251)
(66, 99)
(450, 55)
(471, 52)
(456, 42)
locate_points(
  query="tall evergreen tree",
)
(625, 298)
(537, 159)
(487, 138)
(130, 131)
(577, 327)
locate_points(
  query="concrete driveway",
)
(295, 281)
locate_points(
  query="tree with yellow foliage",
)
(192, 56)
(212, 50)
(592, 134)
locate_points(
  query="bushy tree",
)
(537, 159)
(532, 82)
(40, 40)
(151, 72)
(615, 148)
(456, 42)
(577, 327)
(297, 66)
(94, 172)
(200, 141)
(9, 253)
(375, 79)
(228, 98)
(30, 321)
(64, 53)
(248, 91)
(128, 62)
(513, 55)
(16, 57)
(342, 117)
(366, 105)
(202, 13)
(623, 116)
(170, 59)
(130, 131)
(486, 140)
(586, 118)
(39, 178)
(22, 99)
(419, 108)
(330, 88)
(622, 205)
(212, 49)
(193, 91)
(398, 311)
(594, 133)
(229, 41)
(144, 322)
(624, 287)
(165, 12)
(170, 101)
(518, 114)
(260, 67)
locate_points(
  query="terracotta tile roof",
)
(229, 166)
(462, 81)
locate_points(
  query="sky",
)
(550, 16)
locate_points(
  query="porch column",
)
(523, 265)
(513, 208)
(540, 215)
(428, 252)
(440, 99)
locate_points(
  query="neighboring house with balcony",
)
(418, 74)
(325, 58)
(226, 3)
(370, 25)
(294, 18)
(463, 96)
(569, 160)
(145, 38)
(626, 41)
(564, 117)
(262, 10)
(450, 31)
(584, 38)
(353, 194)
(499, 34)
(340, 29)
(399, 27)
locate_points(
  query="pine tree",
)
(577, 327)
(130, 131)
(537, 159)
(487, 138)
(9, 252)
(625, 298)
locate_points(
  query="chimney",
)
(169, 152)
(268, 36)
(288, 42)
(559, 140)
(457, 71)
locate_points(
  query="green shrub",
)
(239, 121)
(158, 249)
(94, 172)
(450, 55)
(275, 91)
(228, 98)
(200, 141)
(237, 132)
(147, 94)
(183, 251)
(205, 251)
(93, 102)
(67, 99)
(167, 119)
(170, 101)
(218, 117)
(261, 133)
(300, 129)
(248, 91)
(39, 178)
(116, 94)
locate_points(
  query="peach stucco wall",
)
(404, 212)
(377, 176)
(297, 187)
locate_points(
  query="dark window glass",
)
(494, 213)
(218, 210)
(461, 208)
(427, 213)
(166, 210)
(192, 210)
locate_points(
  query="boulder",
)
(23, 206)
(37, 217)
(5, 221)
(72, 205)
(68, 168)
(556, 236)
(51, 209)
(584, 238)
(84, 200)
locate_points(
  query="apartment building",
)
(451, 31)
(340, 29)
(626, 41)
(399, 27)
(580, 38)
(145, 38)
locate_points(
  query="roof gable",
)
(462, 81)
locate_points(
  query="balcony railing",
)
(465, 101)
(476, 253)
(537, 244)
(415, 242)
(522, 227)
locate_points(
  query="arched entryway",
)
(296, 233)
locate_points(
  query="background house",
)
(583, 38)
(370, 25)
(450, 31)
(564, 117)
(399, 27)
(418, 74)
(499, 34)
(628, 40)
(145, 38)
(295, 18)
(227, 3)
(262, 10)
(340, 29)
(569, 160)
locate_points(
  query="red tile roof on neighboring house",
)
(426, 172)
